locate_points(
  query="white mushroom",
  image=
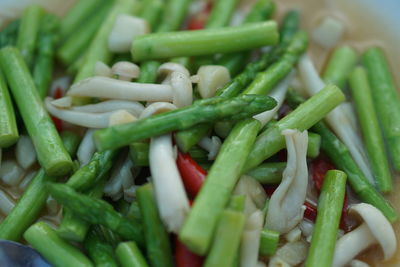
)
(211, 78)
(86, 148)
(121, 178)
(126, 28)
(337, 118)
(293, 235)
(375, 229)
(25, 152)
(212, 145)
(125, 70)
(121, 117)
(250, 241)
(278, 94)
(102, 69)
(156, 108)
(166, 69)
(358, 263)
(293, 252)
(63, 102)
(285, 209)
(133, 107)
(254, 192)
(183, 91)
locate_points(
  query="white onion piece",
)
(6, 203)
(121, 117)
(293, 253)
(182, 89)
(133, 107)
(88, 120)
(86, 148)
(294, 235)
(171, 197)
(102, 69)
(278, 94)
(156, 108)
(285, 209)
(250, 241)
(27, 179)
(52, 206)
(25, 152)
(211, 78)
(166, 69)
(105, 87)
(121, 178)
(328, 33)
(375, 229)
(254, 192)
(125, 70)
(11, 173)
(337, 119)
(126, 28)
(276, 261)
(212, 145)
(358, 263)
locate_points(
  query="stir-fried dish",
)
(194, 133)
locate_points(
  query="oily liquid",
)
(363, 29)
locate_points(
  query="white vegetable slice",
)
(6, 203)
(126, 28)
(285, 209)
(11, 173)
(86, 148)
(212, 145)
(105, 87)
(133, 107)
(293, 253)
(25, 153)
(125, 70)
(211, 78)
(250, 241)
(63, 102)
(337, 118)
(171, 197)
(375, 229)
(102, 69)
(328, 33)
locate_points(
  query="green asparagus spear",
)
(386, 100)
(43, 67)
(204, 42)
(341, 157)
(28, 32)
(99, 250)
(32, 201)
(78, 15)
(268, 173)
(51, 153)
(129, 255)
(339, 66)
(98, 49)
(8, 35)
(268, 242)
(173, 15)
(306, 115)
(364, 104)
(8, 124)
(58, 252)
(151, 12)
(157, 242)
(206, 110)
(227, 239)
(148, 71)
(330, 205)
(139, 153)
(76, 44)
(198, 228)
(96, 211)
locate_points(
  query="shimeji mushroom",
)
(250, 242)
(337, 118)
(86, 148)
(254, 192)
(285, 209)
(375, 229)
(212, 145)
(171, 197)
(102, 69)
(166, 69)
(121, 178)
(133, 107)
(125, 70)
(210, 78)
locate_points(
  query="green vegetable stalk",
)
(100, 251)
(8, 124)
(130, 255)
(268, 173)
(268, 242)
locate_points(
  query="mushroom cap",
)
(156, 108)
(182, 89)
(102, 69)
(125, 70)
(211, 78)
(379, 226)
(166, 69)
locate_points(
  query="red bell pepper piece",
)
(319, 167)
(185, 258)
(58, 93)
(198, 21)
(193, 175)
(310, 212)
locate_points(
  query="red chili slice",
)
(310, 212)
(319, 167)
(193, 175)
(184, 257)
(198, 21)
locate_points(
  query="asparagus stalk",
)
(173, 15)
(8, 35)
(314, 144)
(206, 110)
(51, 153)
(306, 115)
(198, 229)
(43, 67)
(96, 211)
(31, 203)
(268, 242)
(76, 44)
(362, 97)
(148, 71)
(157, 244)
(58, 252)
(227, 239)
(100, 251)
(268, 173)
(341, 157)
(8, 124)
(204, 42)
(129, 255)
(28, 32)
(387, 100)
(330, 204)
(98, 49)
(151, 12)
(139, 153)
(339, 66)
